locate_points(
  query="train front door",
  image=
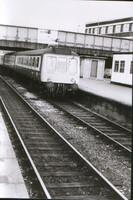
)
(94, 66)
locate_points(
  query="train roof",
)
(56, 50)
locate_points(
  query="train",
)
(1, 59)
(55, 70)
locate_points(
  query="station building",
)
(122, 68)
(92, 67)
(118, 27)
(122, 63)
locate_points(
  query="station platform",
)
(11, 181)
(108, 90)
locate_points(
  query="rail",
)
(27, 120)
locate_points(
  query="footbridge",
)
(16, 38)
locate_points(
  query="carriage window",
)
(72, 66)
(62, 65)
(122, 66)
(34, 62)
(26, 60)
(51, 64)
(22, 60)
(37, 62)
(18, 60)
(116, 68)
(30, 63)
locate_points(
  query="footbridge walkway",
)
(23, 38)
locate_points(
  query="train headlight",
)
(74, 87)
(49, 84)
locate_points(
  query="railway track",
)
(61, 170)
(111, 131)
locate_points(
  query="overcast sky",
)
(69, 15)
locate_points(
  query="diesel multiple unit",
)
(55, 69)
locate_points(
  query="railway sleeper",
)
(89, 197)
(72, 185)
(90, 190)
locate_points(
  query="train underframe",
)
(55, 89)
(48, 88)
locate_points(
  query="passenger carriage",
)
(56, 68)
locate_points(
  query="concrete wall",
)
(110, 109)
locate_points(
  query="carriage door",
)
(94, 66)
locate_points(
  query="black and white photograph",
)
(66, 70)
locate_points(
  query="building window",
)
(122, 66)
(131, 68)
(93, 30)
(106, 30)
(116, 68)
(100, 30)
(122, 26)
(114, 29)
(130, 26)
(89, 30)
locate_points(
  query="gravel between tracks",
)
(101, 155)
